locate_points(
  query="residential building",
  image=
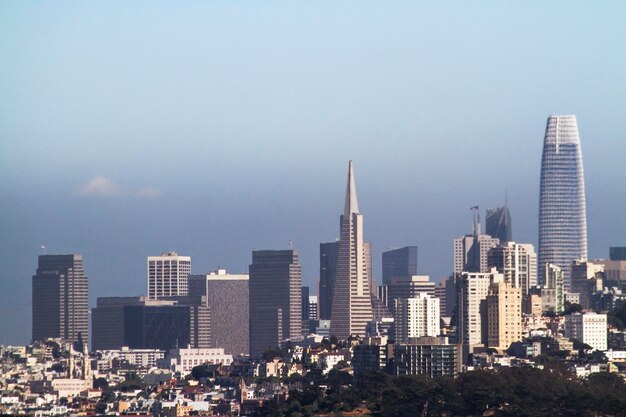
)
(504, 315)
(227, 296)
(60, 298)
(517, 262)
(409, 287)
(351, 308)
(275, 299)
(562, 208)
(313, 313)
(554, 281)
(588, 328)
(401, 262)
(372, 354)
(183, 360)
(431, 356)
(416, 317)
(167, 275)
(586, 279)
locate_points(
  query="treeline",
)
(520, 392)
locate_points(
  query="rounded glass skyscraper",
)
(562, 213)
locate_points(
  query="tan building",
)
(504, 315)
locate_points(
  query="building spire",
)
(351, 205)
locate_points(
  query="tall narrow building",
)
(351, 305)
(60, 298)
(562, 212)
(275, 299)
(328, 274)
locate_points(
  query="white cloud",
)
(100, 187)
(148, 192)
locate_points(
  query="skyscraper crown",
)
(351, 204)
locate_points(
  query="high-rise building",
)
(562, 210)
(617, 253)
(352, 305)
(227, 297)
(167, 275)
(400, 262)
(588, 328)
(329, 252)
(416, 317)
(471, 311)
(60, 298)
(554, 285)
(504, 315)
(471, 253)
(409, 287)
(586, 280)
(305, 303)
(107, 321)
(275, 299)
(517, 262)
(498, 223)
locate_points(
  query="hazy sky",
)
(216, 128)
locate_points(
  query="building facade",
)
(471, 253)
(588, 328)
(504, 315)
(431, 356)
(60, 298)
(498, 224)
(562, 207)
(167, 275)
(517, 262)
(352, 305)
(400, 262)
(275, 299)
(227, 296)
(409, 287)
(329, 252)
(416, 317)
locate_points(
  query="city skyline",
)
(215, 130)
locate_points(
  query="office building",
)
(167, 275)
(614, 271)
(617, 253)
(472, 290)
(409, 287)
(313, 313)
(562, 209)
(445, 291)
(498, 224)
(431, 356)
(227, 297)
(471, 252)
(329, 252)
(107, 321)
(588, 328)
(60, 298)
(305, 303)
(517, 262)
(352, 305)
(416, 317)
(586, 279)
(504, 315)
(275, 299)
(400, 262)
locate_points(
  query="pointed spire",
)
(351, 205)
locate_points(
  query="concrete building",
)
(562, 207)
(586, 279)
(183, 360)
(352, 307)
(517, 262)
(588, 328)
(60, 298)
(313, 313)
(431, 356)
(275, 299)
(554, 282)
(416, 317)
(227, 296)
(409, 287)
(504, 315)
(167, 275)
(471, 252)
(614, 269)
(372, 354)
(400, 262)
(472, 291)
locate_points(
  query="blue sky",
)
(216, 128)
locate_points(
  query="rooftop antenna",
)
(43, 247)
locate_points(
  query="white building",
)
(517, 262)
(416, 317)
(589, 328)
(167, 275)
(146, 358)
(184, 360)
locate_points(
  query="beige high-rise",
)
(504, 315)
(352, 305)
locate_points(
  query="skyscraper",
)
(498, 223)
(518, 263)
(400, 262)
(227, 298)
(275, 299)
(562, 212)
(352, 306)
(167, 275)
(504, 315)
(471, 253)
(329, 252)
(60, 298)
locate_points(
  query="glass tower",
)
(562, 213)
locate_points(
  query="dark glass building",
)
(617, 253)
(107, 321)
(498, 224)
(399, 263)
(329, 252)
(275, 299)
(60, 298)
